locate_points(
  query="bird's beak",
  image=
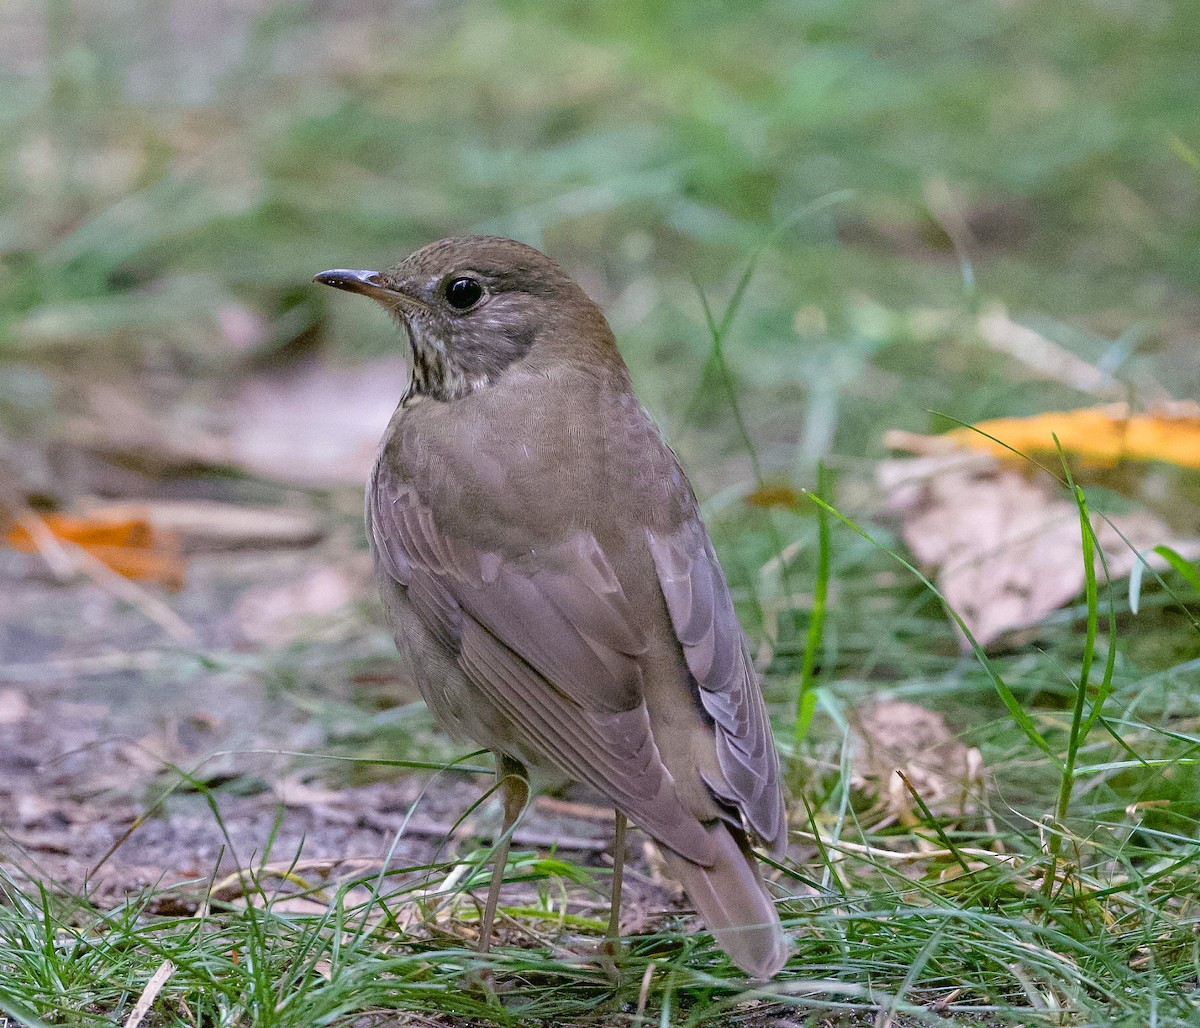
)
(368, 283)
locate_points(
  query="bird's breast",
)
(538, 457)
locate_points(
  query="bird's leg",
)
(613, 937)
(611, 947)
(514, 789)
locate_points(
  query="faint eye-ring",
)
(463, 293)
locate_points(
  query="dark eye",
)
(462, 293)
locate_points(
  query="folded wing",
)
(716, 653)
(555, 649)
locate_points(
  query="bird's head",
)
(475, 305)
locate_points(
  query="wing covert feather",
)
(554, 649)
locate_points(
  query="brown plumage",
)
(548, 578)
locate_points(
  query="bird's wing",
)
(715, 649)
(554, 648)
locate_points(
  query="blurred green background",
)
(172, 174)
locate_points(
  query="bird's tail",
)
(731, 898)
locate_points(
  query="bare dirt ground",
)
(130, 762)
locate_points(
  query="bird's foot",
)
(609, 953)
(481, 980)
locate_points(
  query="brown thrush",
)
(548, 578)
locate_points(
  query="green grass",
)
(664, 151)
(1066, 898)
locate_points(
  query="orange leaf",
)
(129, 546)
(773, 494)
(1098, 435)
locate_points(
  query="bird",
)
(552, 588)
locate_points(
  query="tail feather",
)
(732, 900)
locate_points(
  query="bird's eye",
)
(463, 293)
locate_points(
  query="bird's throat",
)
(437, 376)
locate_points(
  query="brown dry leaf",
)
(315, 424)
(158, 748)
(126, 543)
(311, 424)
(207, 525)
(284, 904)
(1099, 436)
(293, 791)
(891, 735)
(1005, 550)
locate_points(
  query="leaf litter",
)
(1003, 541)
